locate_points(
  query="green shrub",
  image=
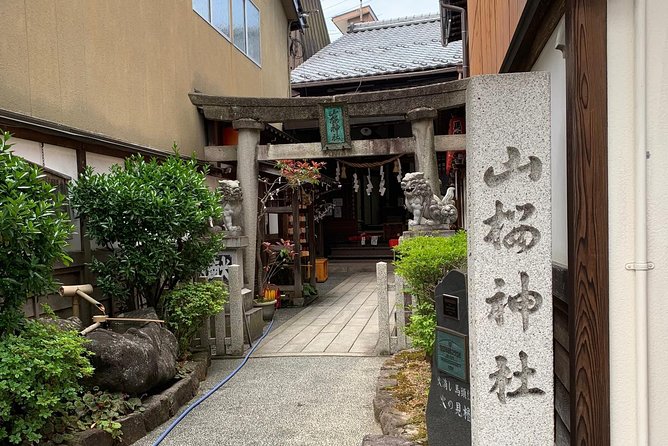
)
(422, 326)
(103, 410)
(40, 369)
(153, 219)
(189, 305)
(33, 234)
(422, 262)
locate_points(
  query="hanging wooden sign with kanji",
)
(334, 126)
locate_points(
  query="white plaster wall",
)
(552, 61)
(657, 185)
(621, 174)
(101, 163)
(61, 159)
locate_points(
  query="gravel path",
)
(310, 401)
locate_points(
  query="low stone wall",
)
(394, 423)
(158, 408)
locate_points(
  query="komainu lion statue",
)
(232, 196)
(427, 208)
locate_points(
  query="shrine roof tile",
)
(383, 47)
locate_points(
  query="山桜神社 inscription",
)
(534, 166)
(523, 237)
(503, 378)
(525, 302)
(510, 260)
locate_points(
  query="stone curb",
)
(394, 424)
(158, 408)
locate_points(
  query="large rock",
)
(133, 357)
(71, 323)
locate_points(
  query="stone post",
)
(422, 124)
(383, 309)
(236, 311)
(247, 174)
(510, 259)
(400, 311)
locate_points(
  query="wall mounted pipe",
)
(464, 24)
(641, 265)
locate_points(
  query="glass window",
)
(220, 15)
(201, 7)
(239, 24)
(245, 26)
(253, 31)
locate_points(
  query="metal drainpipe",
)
(465, 48)
(641, 265)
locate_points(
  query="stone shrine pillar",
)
(247, 174)
(422, 124)
(510, 259)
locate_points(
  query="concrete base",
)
(255, 324)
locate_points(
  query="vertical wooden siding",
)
(587, 165)
(492, 24)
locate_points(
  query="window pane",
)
(239, 24)
(201, 7)
(220, 15)
(253, 17)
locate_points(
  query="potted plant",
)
(278, 256)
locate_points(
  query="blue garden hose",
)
(212, 390)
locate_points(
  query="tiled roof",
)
(392, 46)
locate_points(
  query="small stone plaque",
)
(450, 306)
(449, 403)
(451, 351)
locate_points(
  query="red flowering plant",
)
(278, 256)
(298, 173)
(293, 175)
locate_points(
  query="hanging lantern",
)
(356, 183)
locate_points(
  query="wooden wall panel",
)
(587, 165)
(492, 24)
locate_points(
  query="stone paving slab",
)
(342, 321)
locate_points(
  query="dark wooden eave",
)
(382, 103)
(537, 23)
(36, 129)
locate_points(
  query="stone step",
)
(361, 252)
(356, 266)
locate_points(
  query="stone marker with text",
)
(510, 261)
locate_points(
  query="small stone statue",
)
(427, 209)
(232, 195)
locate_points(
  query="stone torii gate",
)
(419, 106)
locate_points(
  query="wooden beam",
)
(313, 150)
(587, 183)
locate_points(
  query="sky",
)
(384, 9)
